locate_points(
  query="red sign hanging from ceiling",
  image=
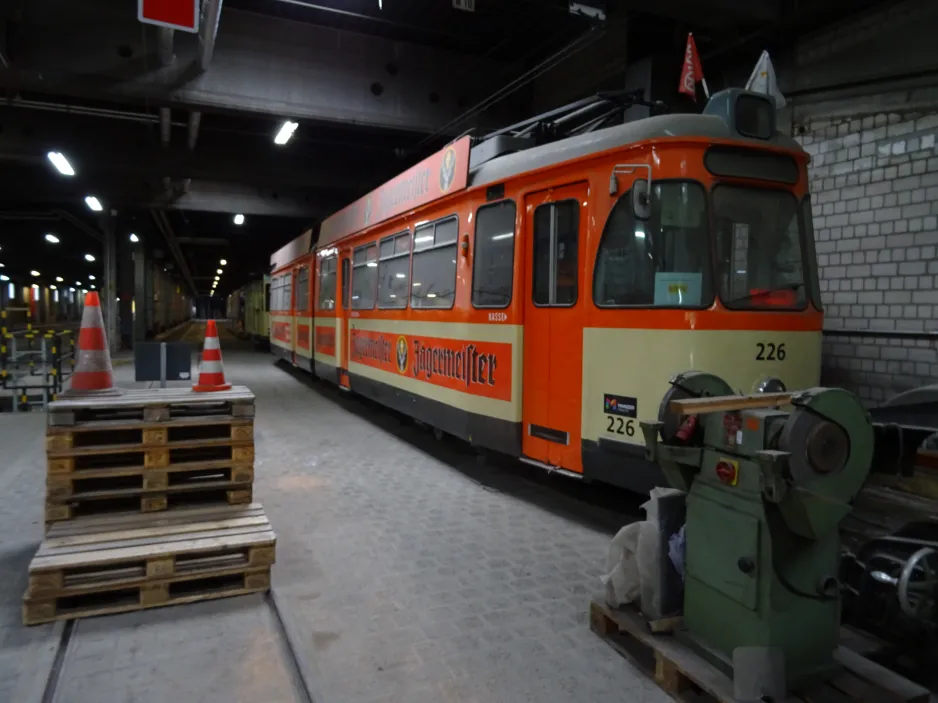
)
(175, 14)
(445, 172)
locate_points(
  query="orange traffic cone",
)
(211, 370)
(93, 373)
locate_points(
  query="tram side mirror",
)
(641, 202)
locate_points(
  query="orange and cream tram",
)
(537, 302)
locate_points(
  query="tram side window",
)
(434, 271)
(364, 277)
(276, 290)
(327, 283)
(394, 271)
(285, 292)
(556, 237)
(302, 290)
(493, 257)
(661, 262)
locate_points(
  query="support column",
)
(149, 317)
(126, 276)
(140, 293)
(109, 289)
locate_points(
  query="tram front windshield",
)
(665, 261)
(759, 248)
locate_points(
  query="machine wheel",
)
(918, 585)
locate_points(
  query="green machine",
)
(766, 490)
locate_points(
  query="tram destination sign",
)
(445, 172)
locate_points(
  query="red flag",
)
(692, 73)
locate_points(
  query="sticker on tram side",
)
(325, 340)
(621, 412)
(281, 331)
(479, 368)
(623, 405)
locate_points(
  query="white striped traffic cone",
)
(93, 373)
(211, 370)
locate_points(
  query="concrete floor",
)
(404, 573)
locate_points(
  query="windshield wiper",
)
(768, 291)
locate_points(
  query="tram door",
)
(555, 221)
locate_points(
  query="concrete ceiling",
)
(184, 123)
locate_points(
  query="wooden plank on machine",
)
(726, 403)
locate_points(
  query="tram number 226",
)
(620, 425)
(770, 351)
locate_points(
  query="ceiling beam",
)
(259, 64)
(204, 241)
(120, 146)
(166, 229)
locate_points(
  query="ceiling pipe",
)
(165, 45)
(195, 119)
(211, 15)
(89, 111)
(165, 125)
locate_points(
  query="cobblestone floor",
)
(406, 574)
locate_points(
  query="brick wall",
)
(867, 112)
(874, 182)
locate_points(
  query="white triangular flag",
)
(763, 80)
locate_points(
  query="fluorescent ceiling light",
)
(33, 273)
(35, 286)
(219, 271)
(90, 276)
(286, 131)
(59, 279)
(77, 283)
(4, 278)
(91, 286)
(239, 219)
(52, 239)
(1, 266)
(223, 262)
(61, 163)
(93, 203)
(134, 238)
(89, 257)
(51, 287)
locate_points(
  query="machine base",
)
(795, 681)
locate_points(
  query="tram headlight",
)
(769, 384)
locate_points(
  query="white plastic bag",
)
(621, 579)
(648, 555)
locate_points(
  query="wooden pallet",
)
(123, 456)
(139, 433)
(152, 405)
(686, 676)
(99, 565)
(174, 498)
(132, 480)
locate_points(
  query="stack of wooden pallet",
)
(148, 502)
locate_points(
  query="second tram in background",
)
(536, 302)
(248, 309)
